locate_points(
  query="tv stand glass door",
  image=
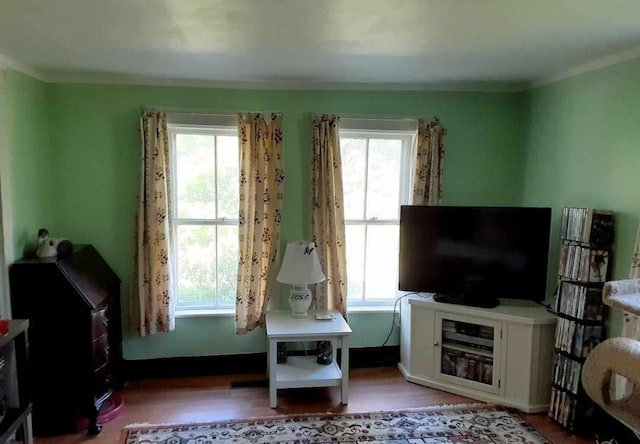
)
(468, 351)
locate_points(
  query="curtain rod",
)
(370, 117)
(204, 111)
(349, 116)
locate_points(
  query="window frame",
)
(173, 129)
(407, 163)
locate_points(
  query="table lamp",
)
(299, 268)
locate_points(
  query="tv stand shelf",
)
(502, 355)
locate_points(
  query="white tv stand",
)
(501, 355)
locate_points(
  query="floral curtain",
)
(261, 194)
(153, 269)
(427, 179)
(327, 213)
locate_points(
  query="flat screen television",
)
(474, 255)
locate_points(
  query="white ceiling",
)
(316, 41)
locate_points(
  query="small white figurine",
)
(52, 247)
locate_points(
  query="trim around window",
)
(214, 220)
(205, 312)
(405, 132)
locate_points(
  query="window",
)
(376, 170)
(205, 160)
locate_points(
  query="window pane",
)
(352, 153)
(383, 180)
(228, 176)
(381, 274)
(195, 176)
(355, 261)
(228, 256)
(196, 264)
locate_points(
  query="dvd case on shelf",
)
(585, 260)
(467, 351)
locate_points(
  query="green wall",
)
(74, 157)
(582, 143)
(95, 138)
(30, 156)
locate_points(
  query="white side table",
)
(303, 371)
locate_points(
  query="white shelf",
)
(471, 383)
(470, 350)
(304, 371)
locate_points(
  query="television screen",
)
(472, 255)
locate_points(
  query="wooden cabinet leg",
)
(94, 426)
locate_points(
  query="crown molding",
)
(444, 86)
(603, 62)
(7, 62)
(435, 86)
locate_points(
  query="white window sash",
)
(372, 221)
(407, 135)
(402, 126)
(215, 128)
(221, 221)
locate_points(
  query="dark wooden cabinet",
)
(73, 305)
(15, 389)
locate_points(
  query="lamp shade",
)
(300, 265)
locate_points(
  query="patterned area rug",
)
(469, 423)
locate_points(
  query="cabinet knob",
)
(436, 344)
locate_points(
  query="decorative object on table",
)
(325, 316)
(4, 327)
(282, 352)
(325, 353)
(52, 247)
(443, 424)
(299, 268)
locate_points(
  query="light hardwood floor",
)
(202, 399)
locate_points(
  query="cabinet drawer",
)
(102, 381)
(99, 323)
(100, 351)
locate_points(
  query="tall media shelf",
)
(585, 264)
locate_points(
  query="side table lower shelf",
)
(304, 371)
